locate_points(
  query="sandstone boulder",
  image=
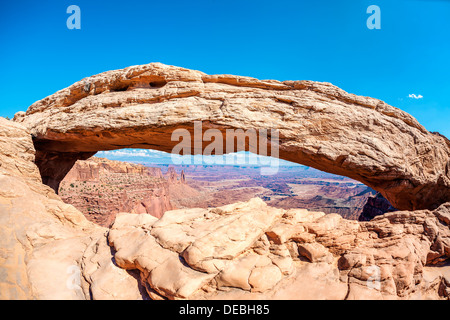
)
(381, 259)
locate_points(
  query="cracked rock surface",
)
(216, 253)
(48, 250)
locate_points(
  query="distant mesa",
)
(101, 188)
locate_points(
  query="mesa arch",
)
(319, 125)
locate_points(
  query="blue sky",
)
(240, 158)
(284, 40)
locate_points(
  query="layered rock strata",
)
(251, 251)
(375, 206)
(101, 188)
(48, 250)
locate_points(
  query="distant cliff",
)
(375, 206)
(101, 188)
(347, 201)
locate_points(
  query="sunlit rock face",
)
(249, 250)
(240, 251)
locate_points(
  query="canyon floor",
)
(290, 187)
(101, 188)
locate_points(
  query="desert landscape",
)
(290, 187)
(101, 188)
(376, 226)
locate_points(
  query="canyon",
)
(244, 250)
(101, 188)
(291, 187)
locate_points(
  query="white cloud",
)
(413, 96)
(155, 156)
(129, 153)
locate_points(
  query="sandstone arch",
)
(320, 126)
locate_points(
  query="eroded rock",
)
(47, 247)
(381, 259)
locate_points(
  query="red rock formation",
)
(240, 251)
(101, 188)
(172, 176)
(182, 177)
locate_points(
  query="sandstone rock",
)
(105, 280)
(264, 278)
(161, 268)
(381, 259)
(221, 235)
(48, 250)
(320, 126)
(172, 176)
(44, 243)
(237, 274)
(17, 152)
(240, 228)
(315, 252)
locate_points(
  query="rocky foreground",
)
(242, 251)
(49, 250)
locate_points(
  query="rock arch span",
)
(319, 125)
